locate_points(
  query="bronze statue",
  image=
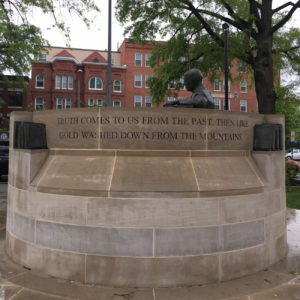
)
(200, 98)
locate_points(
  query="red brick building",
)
(62, 76)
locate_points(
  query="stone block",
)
(151, 272)
(242, 235)
(72, 128)
(66, 265)
(238, 263)
(76, 175)
(186, 241)
(23, 227)
(147, 212)
(105, 241)
(162, 174)
(236, 173)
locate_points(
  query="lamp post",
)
(79, 71)
(225, 28)
(108, 103)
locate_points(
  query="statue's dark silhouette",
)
(200, 98)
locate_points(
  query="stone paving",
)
(280, 282)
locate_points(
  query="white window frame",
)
(117, 101)
(99, 101)
(120, 86)
(35, 103)
(243, 104)
(138, 99)
(91, 102)
(41, 80)
(57, 82)
(217, 85)
(243, 86)
(64, 82)
(70, 82)
(136, 81)
(146, 79)
(148, 100)
(68, 106)
(219, 103)
(96, 79)
(136, 59)
(59, 103)
(147, 58)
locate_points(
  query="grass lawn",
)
(293, 197)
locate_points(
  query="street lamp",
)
(78, 96)
(108, 102)
(226, 29)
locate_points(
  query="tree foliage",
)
(20, 41)
(288, 104)
(258, 38)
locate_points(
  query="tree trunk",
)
(263, 62)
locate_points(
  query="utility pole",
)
(108, 103)
(225, 28)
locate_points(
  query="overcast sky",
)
(96, 37)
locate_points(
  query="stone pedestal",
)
(146, 197)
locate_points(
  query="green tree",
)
(288, 104)
(258, 38)
(20, 41)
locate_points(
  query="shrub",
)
(290, 172)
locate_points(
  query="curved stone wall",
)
(146, 218)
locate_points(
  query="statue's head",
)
(192, 78)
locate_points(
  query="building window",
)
(181, 83)
(59, 103)
(138, 80)
(57, 82)
(64, 81)
(138, 59)
(117, 86)
(243, 86)
(70, 82)
(39, 81)
(43, 57)
(39, 103)
(68, 103)
(243, 67)
(148, 101)
(147, 79)
(147, 59)
(137, 101)
(117, 103)
(112, 61)
(172, 84)
(217, 103)
(171, 99)
(217, 85)
(243, 105)
(99, 102)
(228, 104)
(91, 102)
(14, 99)
(228, 85)
(95, 83)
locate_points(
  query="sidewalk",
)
(280, 282)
